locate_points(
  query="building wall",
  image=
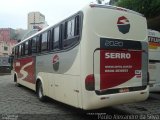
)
(36, 20)
(7, 41)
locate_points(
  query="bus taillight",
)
(90, 82)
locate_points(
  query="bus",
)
(154, 60)
(95, 58)
(5, 66)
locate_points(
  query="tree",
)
(99, 1)
(149, 8)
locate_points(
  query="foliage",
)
(150, 8)
(99, 1)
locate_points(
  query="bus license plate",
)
(122, 90)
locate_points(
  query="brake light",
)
(90, 82)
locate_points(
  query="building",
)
(21, 34)
(9, 37)
(7, 41)
(36, 20)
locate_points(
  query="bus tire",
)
(40, 93)
(15, 80)
(18, 85)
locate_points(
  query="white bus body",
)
(107, 65)
(154, 60)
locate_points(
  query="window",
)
(33, 44)
(49, 40)
(38, 43)
(5, 48)
(18, 51)
(26, 48)
(22, 49)
(44, 41)
(77, 25)
(19, 47)
(71, 32)
(13, 51)
(70, 28)
(5, 54)
(56, 38)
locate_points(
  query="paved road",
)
(150, 107)
(18, 103)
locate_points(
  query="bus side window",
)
(49, 40)
(38, 43)
(26, 48)
(77, 25)
(52, 39)
(70, 28)
(19, 55)
(30, 47)
(56, 38)
(33, 45)
(15, 53)
(71, 32)
(22, 49)
(44, 41)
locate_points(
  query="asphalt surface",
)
(21, 103)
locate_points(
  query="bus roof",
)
(115, 8)
(92, 5)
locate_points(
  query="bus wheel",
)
(40, 94)
(15, 80)
(18, 85)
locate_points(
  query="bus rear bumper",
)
(101, 101)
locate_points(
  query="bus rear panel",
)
(116, 50)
